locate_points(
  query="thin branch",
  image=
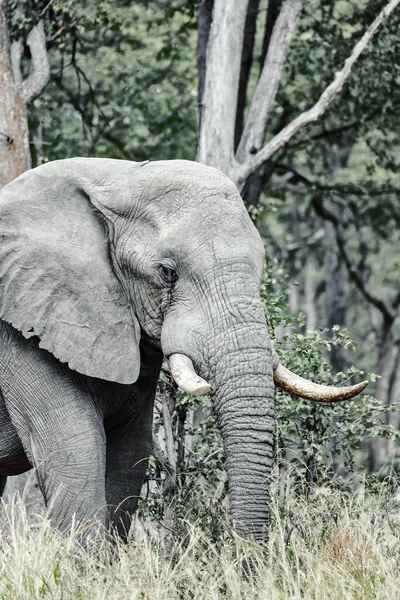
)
(332, 132)
(242, 171)
(250, 27)
(340, 188)
(274, 7)
(396, 301)
(298, 176)
(46, 8)
(15, 60)
(40, 65)
(388, 310)
(161, 456)
(119, 145)
(267, 87)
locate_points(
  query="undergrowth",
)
(334, 544)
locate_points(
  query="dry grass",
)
(336, 546)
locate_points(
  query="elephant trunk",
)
(244, 406)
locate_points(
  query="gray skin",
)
(90, 250)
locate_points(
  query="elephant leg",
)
(71, 476)
(129, 446)
(62, 435)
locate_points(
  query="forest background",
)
(135, 81)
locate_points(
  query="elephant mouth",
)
(187, 380)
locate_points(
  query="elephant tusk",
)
(296, 385)
(185, 376)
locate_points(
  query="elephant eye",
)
(169, 274)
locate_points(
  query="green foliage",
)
(320, 442)
(123, 84)
(199, 487)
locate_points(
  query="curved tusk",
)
(185, 376)
(296, 385)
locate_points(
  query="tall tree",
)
(220, 78)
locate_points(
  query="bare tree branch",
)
(267, 87)
(40, 65)
(242, 171)
(274, 7)
(396, 301)
(14, 143)
(250, 27)
(161, 456)
(15, 60)
(387, 309)
(86, 120)
(335, 131)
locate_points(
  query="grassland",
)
(336, 545)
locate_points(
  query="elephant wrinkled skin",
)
(106, 267)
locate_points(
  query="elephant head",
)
(99, 257)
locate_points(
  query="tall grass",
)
(336, 545)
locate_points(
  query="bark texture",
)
(204, 17)
(224, 52)
(14, 140)
(16, 94)
(246, 64)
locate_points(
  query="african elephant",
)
(106, 267)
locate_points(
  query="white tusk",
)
(296, 385)
(185, 376)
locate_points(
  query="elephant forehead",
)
(188, 174)
(163, 188)
(213, 239)
(180, 190)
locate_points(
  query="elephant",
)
(106, 268)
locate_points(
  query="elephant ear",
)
(56, 276)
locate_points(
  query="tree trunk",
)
(395, 383)
(245, 68)
(204, 18)
(336, 295)
(219, 101)
(310, 290)
(14, 137)
(381, 450)
(15, 95)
